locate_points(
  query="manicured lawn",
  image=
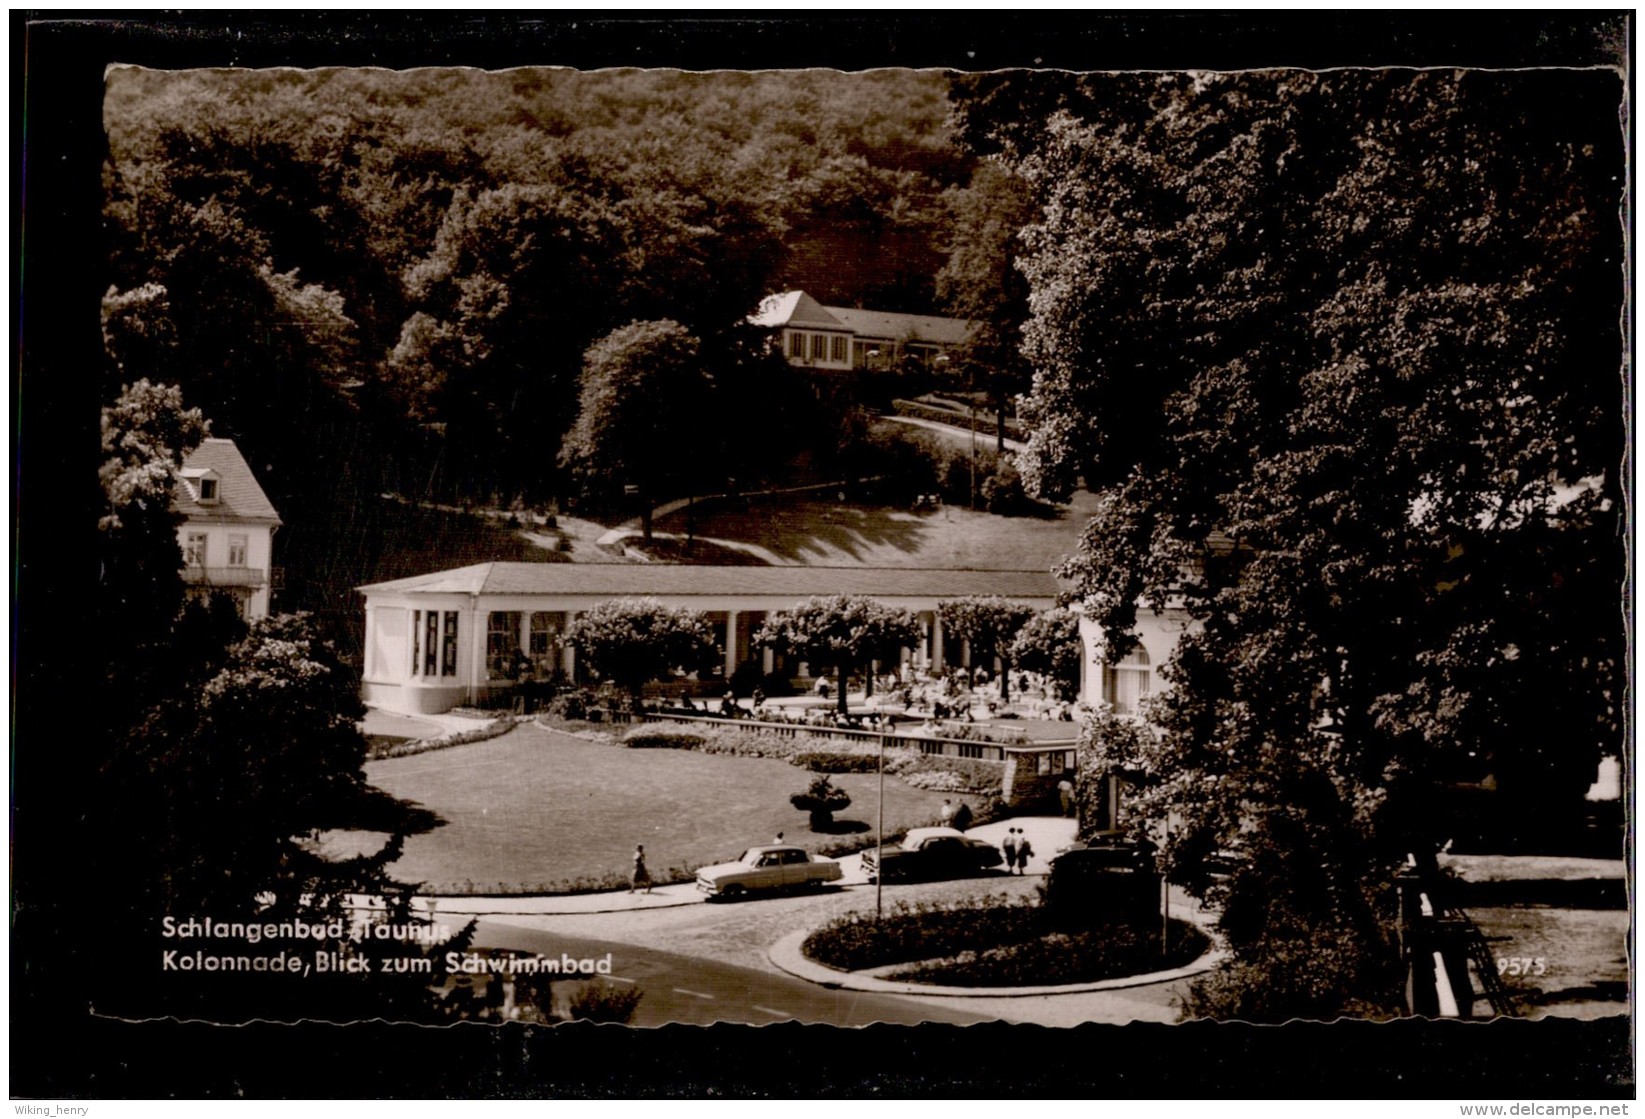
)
(536, 808)
(834, 534)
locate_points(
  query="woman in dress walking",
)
(642, 877)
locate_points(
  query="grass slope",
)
(831, 533)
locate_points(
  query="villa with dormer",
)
(227, 533)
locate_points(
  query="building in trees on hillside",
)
(472, 633)
(227, 533)
(814, 336)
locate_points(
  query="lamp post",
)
(973, 401)
(879, 838)
(1165, 890)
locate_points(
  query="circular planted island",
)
(999, 941)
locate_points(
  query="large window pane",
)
(502, 641)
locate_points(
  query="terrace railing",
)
(927, 744)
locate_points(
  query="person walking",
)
(1008, 847)
(642, 877)
(962, 816)
(1025, 851)
(947, 813)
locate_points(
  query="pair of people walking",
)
(1017, 851)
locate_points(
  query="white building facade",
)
(460, 636)
(814, 336)
(227, 533)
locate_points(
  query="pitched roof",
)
(793, 308)
(239, 497)
(796, 308)
(901, 328)
(625, 579)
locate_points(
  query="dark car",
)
(930, 854)
(1094, 858)
(1101, 881)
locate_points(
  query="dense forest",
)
(386, 282)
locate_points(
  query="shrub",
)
(1299, 979)
(572, 704)
(599, 1002)
(660, 736)
(938, 781)
(1002, 491)
(819, 761)
(942, 774)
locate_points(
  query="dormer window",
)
(208, 490)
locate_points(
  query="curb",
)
(785, 955)
(494, 906)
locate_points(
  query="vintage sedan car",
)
(767, 868)
(928, 854)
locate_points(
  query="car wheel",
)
(734, 893)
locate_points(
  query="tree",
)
(1339, 352)
(980, 282)
(1049, 644)
(989, 624)
(218, 795)
(842, 632)
(512, 292)
(643, 406)
(146, 435)
(631, 640)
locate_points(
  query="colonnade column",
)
(936, 642)
(730, 643)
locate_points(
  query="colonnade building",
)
(461, 636)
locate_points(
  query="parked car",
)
(928, 854)
(1103, 856)
(767, 868)
(1102, 880)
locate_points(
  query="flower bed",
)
(400, 748)
(922, 931)
(1108, 952)
(932, 772)
(993, 941)
(649, 736)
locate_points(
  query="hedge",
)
(821, 761)
(656, 736)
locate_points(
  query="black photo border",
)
(60, 1049)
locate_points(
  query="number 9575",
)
(1521, 965)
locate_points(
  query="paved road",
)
(699, 991)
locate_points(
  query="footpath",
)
(1046, 834)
